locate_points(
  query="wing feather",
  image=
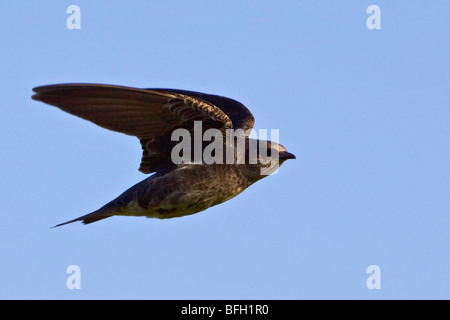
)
(149, 114)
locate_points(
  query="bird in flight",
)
(177, 187)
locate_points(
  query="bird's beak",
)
(287, 155)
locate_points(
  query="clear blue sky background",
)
(367, 112)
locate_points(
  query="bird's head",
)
(266, 156)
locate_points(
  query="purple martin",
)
(152, 115)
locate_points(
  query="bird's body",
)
(176, 189)
(177, 192)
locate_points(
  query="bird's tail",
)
(108, 210)
(114, 207)
(88, 218)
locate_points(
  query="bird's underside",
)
(152, 115)
(176, 192)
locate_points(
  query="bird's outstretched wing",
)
(149, 114)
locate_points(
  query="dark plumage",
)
(152, 115)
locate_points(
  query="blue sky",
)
(366, 112)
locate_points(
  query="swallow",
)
(177, 187)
